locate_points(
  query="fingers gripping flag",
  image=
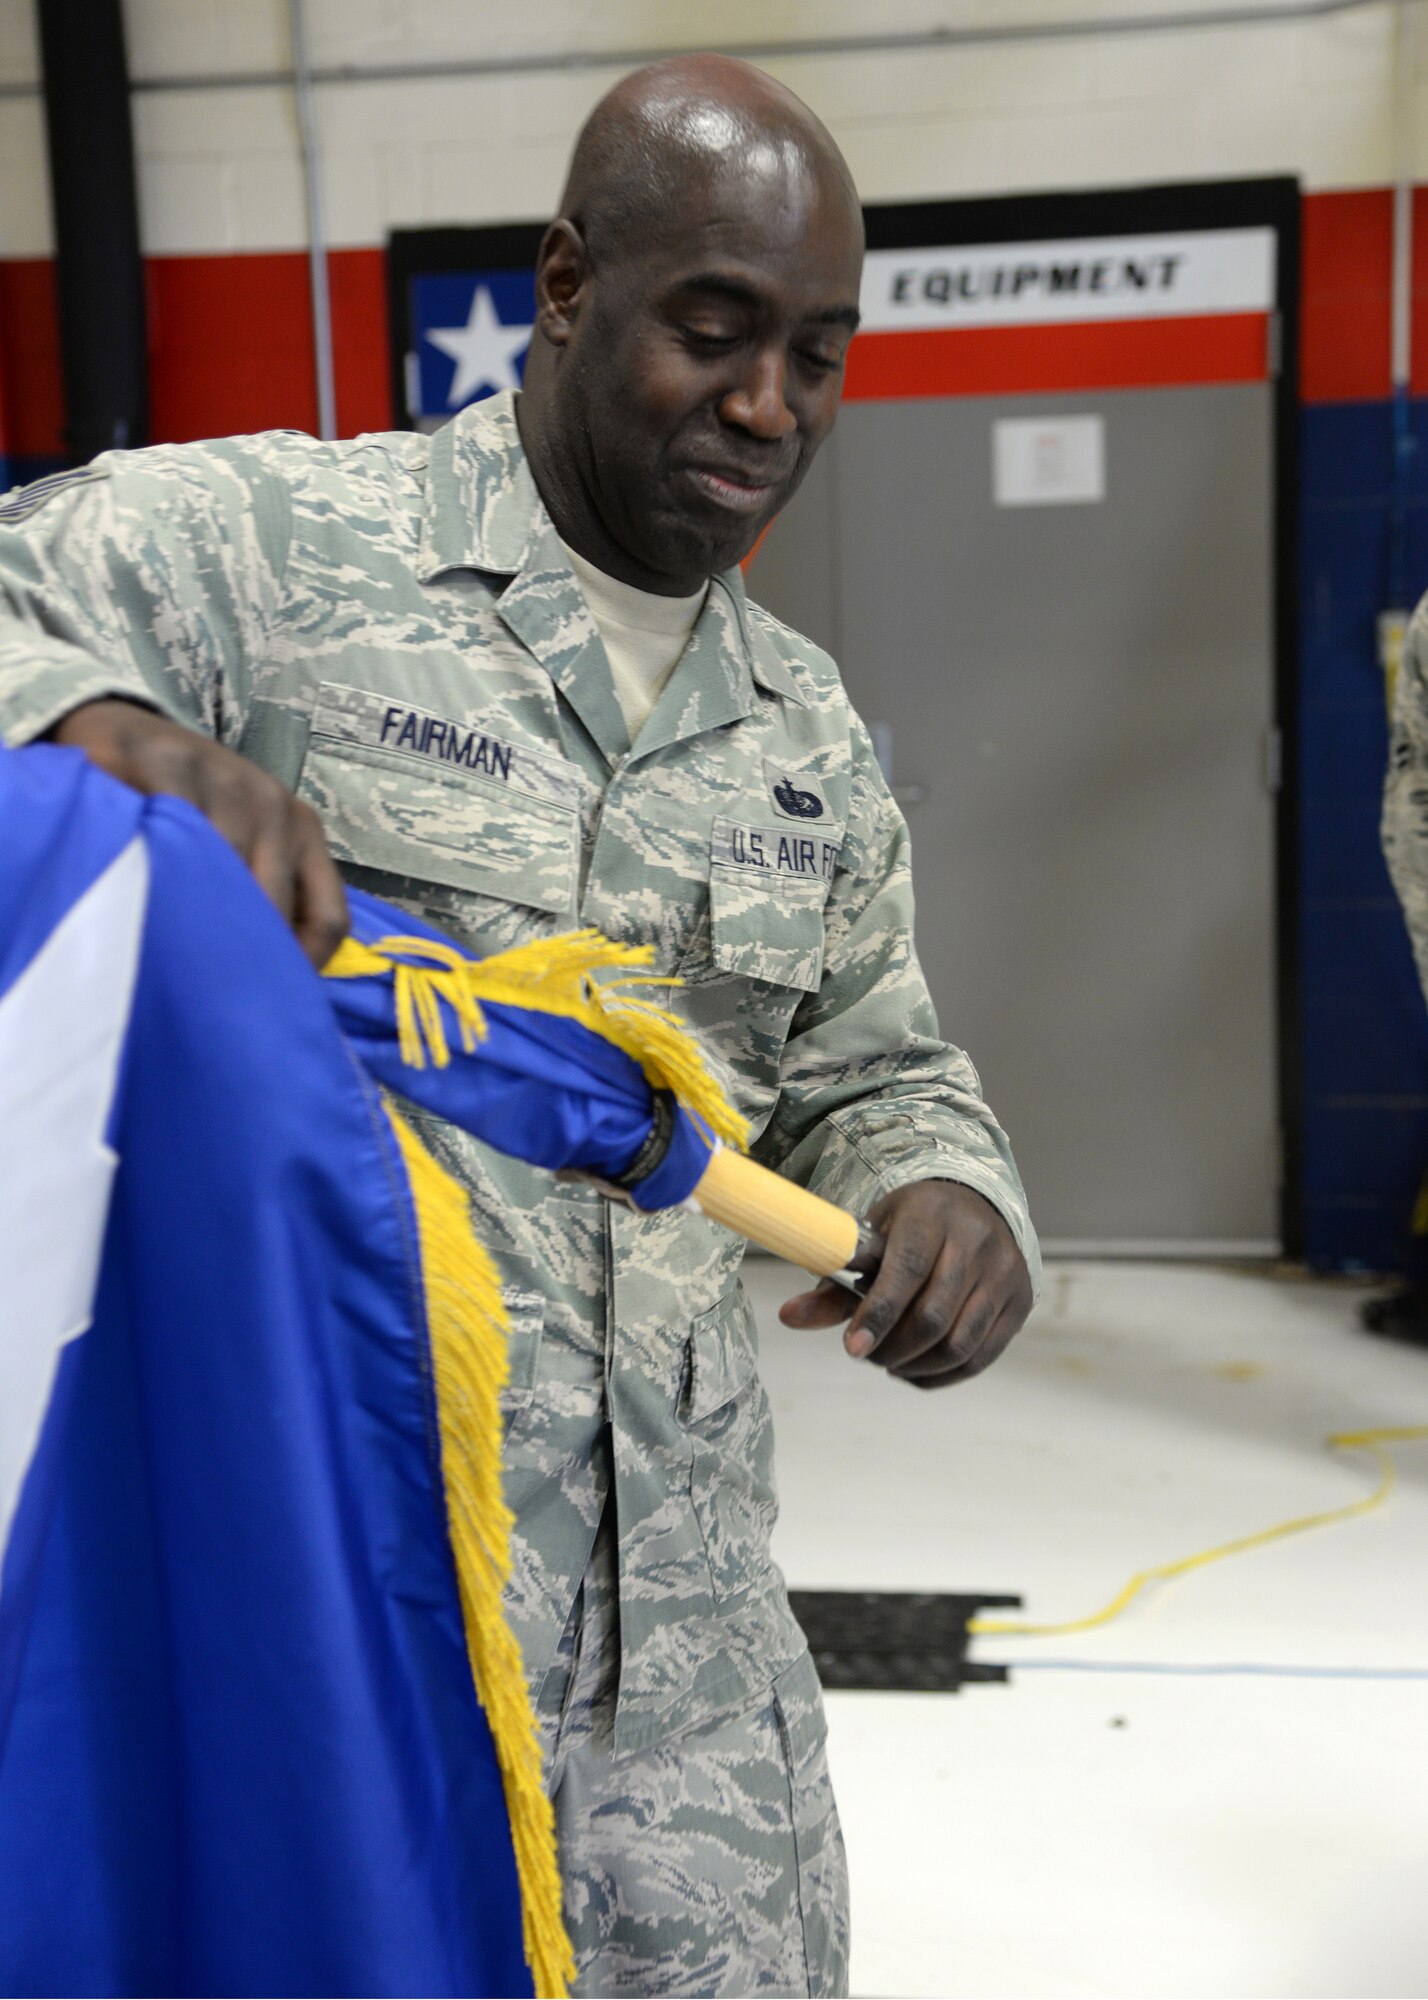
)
(243, 1616)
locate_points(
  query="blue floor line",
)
(1218, 1668)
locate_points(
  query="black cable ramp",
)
(893, 1640)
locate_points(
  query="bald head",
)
(694, 302)
(678, 128)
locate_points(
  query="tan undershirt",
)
(643, 635)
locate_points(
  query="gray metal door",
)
(1078, 701)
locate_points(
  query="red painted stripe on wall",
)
(230, 344)
(1347, 295)
(1347, 265)
(231, 339)
(230, 348)
(31, 397)
(1100, 354)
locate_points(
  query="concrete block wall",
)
(219, 167)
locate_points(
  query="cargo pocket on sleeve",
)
(817, 1836)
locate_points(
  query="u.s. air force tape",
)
(773, 851)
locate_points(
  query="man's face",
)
(703, 370)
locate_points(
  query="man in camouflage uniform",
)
(380, 651)
(1404, 1311)
(1405, 792)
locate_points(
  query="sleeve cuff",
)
(858, 1180)
(26, 721)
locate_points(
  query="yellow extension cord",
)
(1372, 1441)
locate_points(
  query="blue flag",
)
(533, 1052)
(241, 1750)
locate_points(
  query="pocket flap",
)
(767, 890)
(761, 932)
(799, 1695)
(722, 1357)
(526, 1313)
(420, 795)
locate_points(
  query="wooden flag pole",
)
(786, 1219)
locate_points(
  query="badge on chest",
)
(794, 795)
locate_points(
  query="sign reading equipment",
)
(1090, 278)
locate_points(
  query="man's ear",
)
(562, 273)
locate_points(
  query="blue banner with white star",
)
(470, 334)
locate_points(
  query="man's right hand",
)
(279, 837)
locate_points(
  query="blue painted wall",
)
(20, 471)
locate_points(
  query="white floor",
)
(1225, 1792)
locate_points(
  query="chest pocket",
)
(767, 889)
(409, 793)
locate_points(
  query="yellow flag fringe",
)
(468, 1329)
(549, 976)
(467, 1320)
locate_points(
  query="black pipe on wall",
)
(96, 214)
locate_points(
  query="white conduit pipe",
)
(1403, 172)
(1400, 588)
(1397, 602)
(316, 232)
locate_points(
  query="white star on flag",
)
(485, 352)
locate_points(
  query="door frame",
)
(1274, 203)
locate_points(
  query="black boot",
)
(1401, 1314)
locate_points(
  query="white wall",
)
(219, 168)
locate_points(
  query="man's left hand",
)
(952, 1290)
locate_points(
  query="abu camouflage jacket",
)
(1405, 792)
(391, 628)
